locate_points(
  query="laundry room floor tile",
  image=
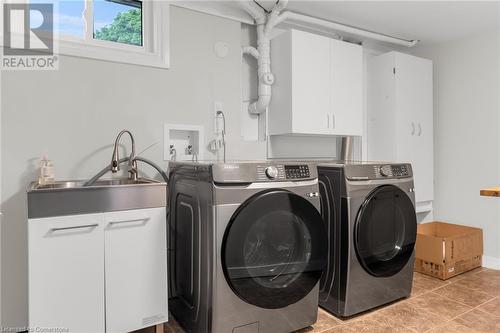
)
(452, 327)
(427, 283)
(468, 303)
(481, 283)
(408, 316)
(479, 321)
(439, 305)
(492, 307)
(324, 322)
(463, 294)
(368, 325)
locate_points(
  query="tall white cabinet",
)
(400, 117)
(319, 85)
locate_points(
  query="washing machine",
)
(247, 246)
(369, 213)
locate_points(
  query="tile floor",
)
(469, 303)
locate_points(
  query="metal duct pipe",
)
(346, 150)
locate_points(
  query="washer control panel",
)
(283, 172)
(270, 172)
(297, 171)
(391, 171)
(400, 170)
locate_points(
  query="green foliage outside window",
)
(126, 28)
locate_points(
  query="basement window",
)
(118, 21)
(126, 31)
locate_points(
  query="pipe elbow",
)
(260, 105)
(254, 11)
(251, 50)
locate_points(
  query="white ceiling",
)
(428, 21)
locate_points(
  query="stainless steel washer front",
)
(267, 248)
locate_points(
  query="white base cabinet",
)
(102, 272)
(400, 117)
(135, 264)
(66, 273)
(319, 85)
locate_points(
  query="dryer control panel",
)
(378, 171)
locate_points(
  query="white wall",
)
(466, 137)
(75, 113)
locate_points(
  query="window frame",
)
(154, 51)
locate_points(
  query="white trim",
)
(156, 40)
(1, 177)
(491, 262)
(424, 207)
(216, 8)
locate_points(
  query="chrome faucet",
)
(132, 162)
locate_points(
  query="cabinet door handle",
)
(419, 129)
(327, 120)
(142, 219)
(412, 128)
(75, 227)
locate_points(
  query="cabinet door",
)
(310, 83)
(346, 88)
(136, 269)
(415, 121)
(66, 273)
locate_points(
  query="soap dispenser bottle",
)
(46, 171)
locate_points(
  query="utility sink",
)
(99, 183)
(74, 197)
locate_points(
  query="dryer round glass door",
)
(385, 231)
(274, 249)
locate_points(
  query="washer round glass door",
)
(274, 249)
(385, 231)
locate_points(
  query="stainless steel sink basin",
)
(105, 195)
(103, 182)
(125, 181)
(57, 185)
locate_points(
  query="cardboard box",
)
(445, 250)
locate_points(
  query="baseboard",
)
(491, 262)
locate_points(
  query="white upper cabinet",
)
(319, 85)
(346, 94)
(400, 116)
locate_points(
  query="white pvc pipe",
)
(288, 15)
(250, 50)
(265, 24)
(254, 11)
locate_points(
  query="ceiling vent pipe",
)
(265, 21)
